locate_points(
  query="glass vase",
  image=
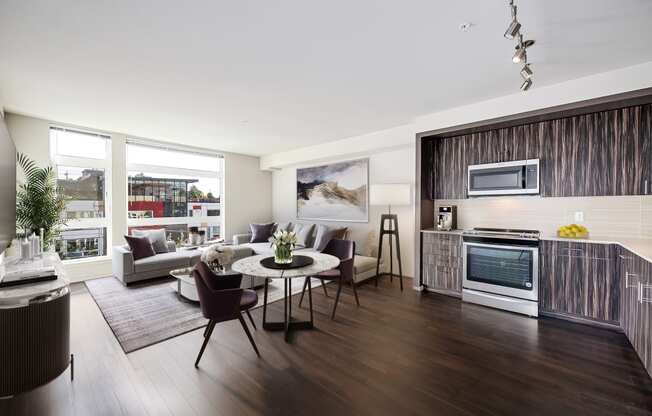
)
(282, 254)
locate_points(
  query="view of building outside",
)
(81, 243)
(82, 159)
(157, 196)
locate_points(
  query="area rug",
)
(147, 313)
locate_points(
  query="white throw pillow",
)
(155, 237)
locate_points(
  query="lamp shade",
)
(390, 194)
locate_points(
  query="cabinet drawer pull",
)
(641, 297)
(627, 276)
(624, 257)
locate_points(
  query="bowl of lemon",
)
(573, 231)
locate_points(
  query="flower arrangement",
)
(217, 256)
(283, 243)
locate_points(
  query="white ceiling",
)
(258, 77)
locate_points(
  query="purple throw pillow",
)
(260, 233)
(140, 247)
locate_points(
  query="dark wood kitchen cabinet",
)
(442, 262)
(450, 177)
(635, 274)
(579, 279)
(596, 154)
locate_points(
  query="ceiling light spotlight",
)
(526, 84)
(520, 55)
(526, 72)
(514, 26)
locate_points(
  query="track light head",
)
(519, 56)
(513, 29)
(526, 71)
(526, 84)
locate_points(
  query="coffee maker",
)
(446, 218)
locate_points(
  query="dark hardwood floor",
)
(400, 353)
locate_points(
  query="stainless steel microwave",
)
(519, 177)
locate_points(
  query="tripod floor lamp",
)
(391, 194)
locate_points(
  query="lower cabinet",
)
(579, 279)
(441, 262)
(636, 306)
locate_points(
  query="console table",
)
(34, 329)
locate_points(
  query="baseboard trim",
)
(580, 320)
(447, 292)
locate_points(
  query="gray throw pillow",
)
(155, 237)
(283, 226)
(325, 234)
(304, 234)
(260, 233)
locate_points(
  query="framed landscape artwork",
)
(334, 192)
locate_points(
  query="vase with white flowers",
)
(217, 257)
(283, 243)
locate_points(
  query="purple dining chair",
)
(221, 299)
(345, 251)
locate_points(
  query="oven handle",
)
(505, 246)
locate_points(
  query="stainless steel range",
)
(501, 269)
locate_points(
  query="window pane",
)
(84, 188)
(162, 196)
(149, 155)
(81, 243)
(78, 144)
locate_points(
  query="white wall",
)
(393, 166)
(247, 191)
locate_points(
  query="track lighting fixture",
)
(520, 54)
(514, 26)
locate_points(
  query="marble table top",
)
(251, 266)
(13, 296)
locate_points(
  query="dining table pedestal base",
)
(288, 324)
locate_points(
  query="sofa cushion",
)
(165, 262)
(304, 234)
(261, 248)
(261, 233)
(283, 226)
(363, 264)
(325, 234)
(156, 238)
(140, 247)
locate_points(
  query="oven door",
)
(508, 270)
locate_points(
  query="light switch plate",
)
(579, 216)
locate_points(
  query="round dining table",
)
(251, 266)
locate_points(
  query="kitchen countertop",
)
(432, 230)
(642, 247)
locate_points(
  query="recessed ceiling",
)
(258, 77)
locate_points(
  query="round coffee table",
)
(251, 266)
(185, 284)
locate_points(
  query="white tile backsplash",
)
(617, 216)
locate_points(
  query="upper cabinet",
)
(596, 154)
(606, 153)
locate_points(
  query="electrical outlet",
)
(579, 216)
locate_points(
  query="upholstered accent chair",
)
(221, 299)
(344, 273)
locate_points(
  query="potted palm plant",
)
(39, 202)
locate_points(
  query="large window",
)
(83, 162)
(174, 189)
